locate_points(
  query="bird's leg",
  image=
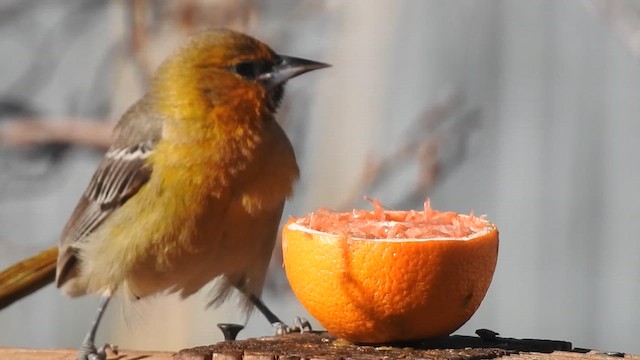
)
(280, 328)
(271, 317)
(88, 350)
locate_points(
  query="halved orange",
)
(383, 276)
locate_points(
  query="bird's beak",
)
(289, 67)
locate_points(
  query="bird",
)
(192, 189)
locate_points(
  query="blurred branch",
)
(145, 18)
(14, 11)
(50, 51)
(187, 14)
(30, 149)
(446, 150)
(75, 131)
(192, 15)
(139, 39)
(623, 17)
(428, 138)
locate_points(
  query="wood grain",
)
(70, 354)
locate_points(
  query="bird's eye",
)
(245, 69)
(252, 69)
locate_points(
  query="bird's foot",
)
(300, 325)
(89, 352)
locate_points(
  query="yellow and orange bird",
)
(193, 188)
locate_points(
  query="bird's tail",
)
(27, 276)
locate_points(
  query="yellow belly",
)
(188, 225)
(237, 245)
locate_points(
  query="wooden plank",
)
(320, 345)
(70, 354)
(565, 355)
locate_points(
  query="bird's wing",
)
(122, 172)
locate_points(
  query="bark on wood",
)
(320, 345)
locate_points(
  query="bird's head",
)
(223, 67)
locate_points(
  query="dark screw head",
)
(230, 331)
(487, 335)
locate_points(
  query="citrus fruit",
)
(384, 276)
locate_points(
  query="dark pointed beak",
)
(289, 67)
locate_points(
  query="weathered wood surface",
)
(320, 345)
(70, 354)
(323, 346)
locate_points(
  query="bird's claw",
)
(300, 325)
(280, 328)
(91, 353)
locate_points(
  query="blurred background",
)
(525, 111)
